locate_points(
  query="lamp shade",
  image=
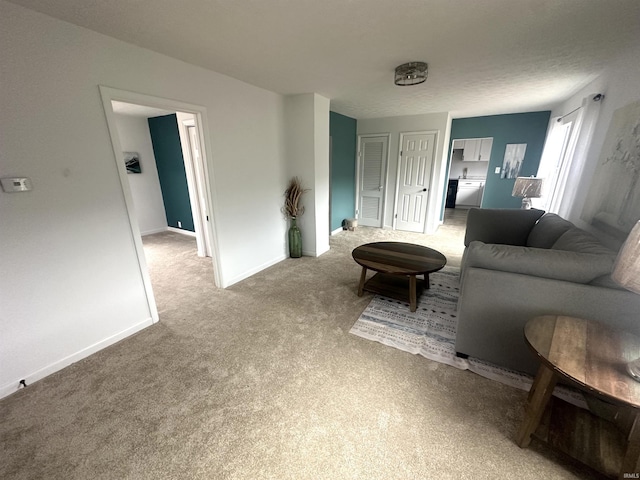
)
(626, 270)
(528, 187)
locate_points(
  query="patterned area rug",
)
(430, 331)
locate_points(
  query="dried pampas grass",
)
(292, 196)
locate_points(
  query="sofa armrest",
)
(500, 225)
(574, 267)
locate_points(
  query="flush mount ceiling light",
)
(411, 73)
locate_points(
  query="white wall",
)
(307, 153)
(321, 171)
(620, 83)
(439, 122)
(145, 187)
(72, 283)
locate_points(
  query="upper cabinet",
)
(458, 145)
(485, 149)
(474, 149)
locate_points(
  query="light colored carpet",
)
(263, 381)
(431, 330)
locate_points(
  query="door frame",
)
(195, 183)
(109, 94)
(386, 172)
(431, 174)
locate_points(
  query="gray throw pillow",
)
(547, 230)
(577, 240)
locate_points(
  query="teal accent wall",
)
(529, 128)
(173, 178)
(343, 134)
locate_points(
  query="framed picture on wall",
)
(132, 162)
(513, 158)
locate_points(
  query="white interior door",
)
(371, 180)
(414, 181)
(198, 167)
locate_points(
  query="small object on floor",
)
(349, 224)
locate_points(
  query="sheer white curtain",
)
(564, 156)
(553, 159)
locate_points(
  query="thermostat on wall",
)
(15, 184)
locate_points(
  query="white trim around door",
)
(108, 95)
(194, 168)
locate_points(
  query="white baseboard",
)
(29, 378)
(155, 230)
(253, 271)
(337, 231)
(183, 232)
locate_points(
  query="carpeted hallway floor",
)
(263, 381)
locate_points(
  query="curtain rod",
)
(596, 98)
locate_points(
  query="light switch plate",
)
(497, 170)
(15, 184)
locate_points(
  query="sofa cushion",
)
(577, 240)
(547, 230)
(500, 225)
(605, 281)
(575, 267)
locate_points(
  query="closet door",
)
(371, 180)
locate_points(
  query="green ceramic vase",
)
(295, 240)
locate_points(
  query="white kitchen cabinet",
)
(476, 149)
(485, 149)
(469, 193)
(471, 150)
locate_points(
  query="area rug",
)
(430, 331)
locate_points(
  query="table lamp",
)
(527, 188)
(626, 273)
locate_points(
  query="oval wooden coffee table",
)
(397, 264)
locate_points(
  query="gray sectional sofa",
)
(519, 264)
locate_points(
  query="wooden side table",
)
(592, 357)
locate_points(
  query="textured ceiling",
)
(485, 57)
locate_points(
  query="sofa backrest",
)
(500, 225)
(548, 229)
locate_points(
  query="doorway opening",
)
(181, 203)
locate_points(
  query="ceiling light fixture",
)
(411, 73)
